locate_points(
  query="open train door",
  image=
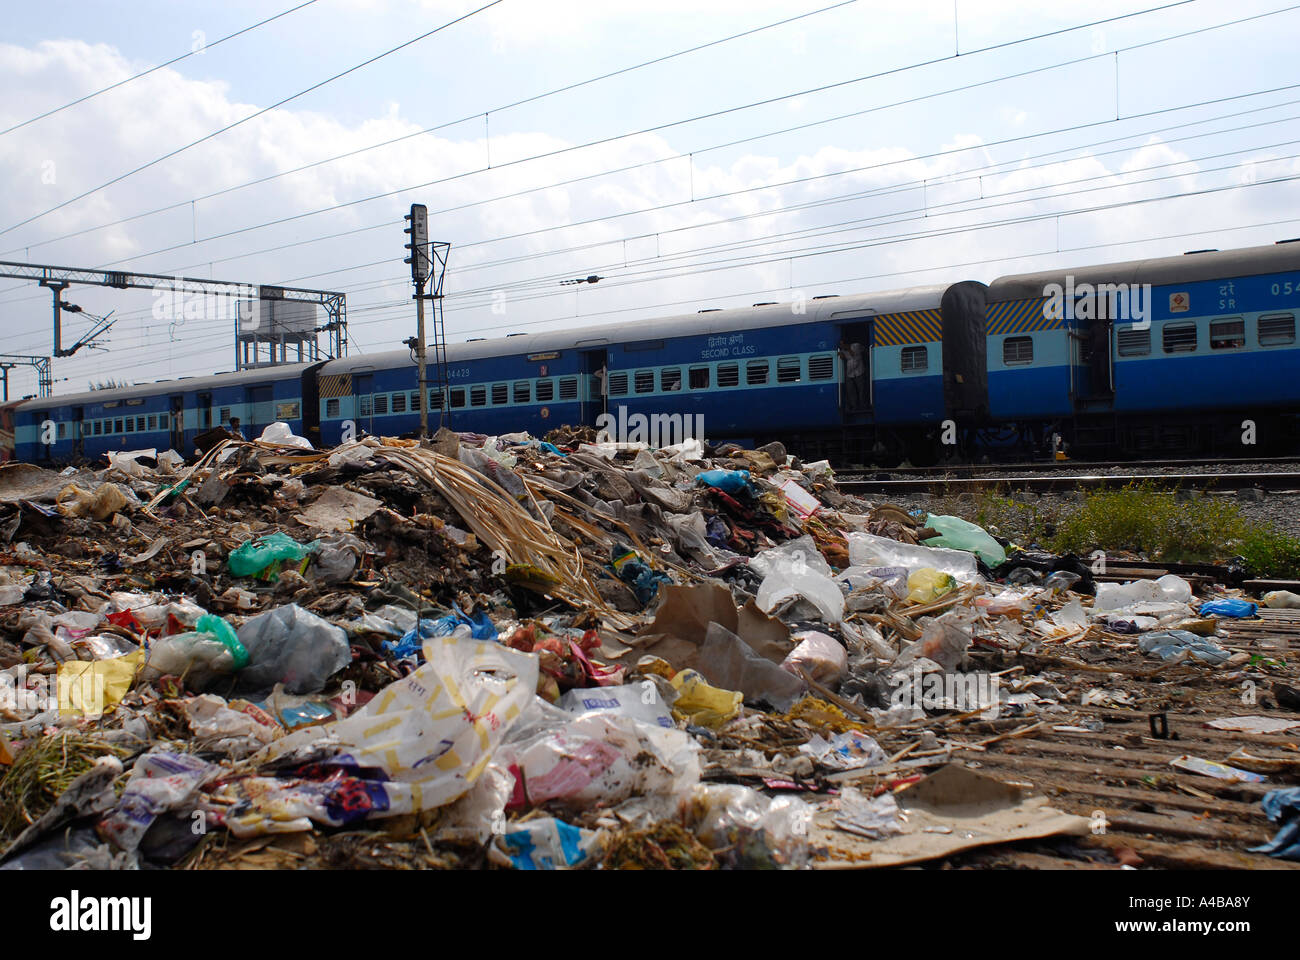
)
(177, 405)
(1092, 348)
(595, 380)
(856, 398)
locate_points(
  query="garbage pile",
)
(520, 653)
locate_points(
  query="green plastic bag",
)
(961, 534)
(254, 556)
(217, 626)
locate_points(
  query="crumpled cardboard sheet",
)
(338, 510)
(979, 811)
(682, 620)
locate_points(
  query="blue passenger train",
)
(1194, 353)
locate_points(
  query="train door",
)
(44, 450)
(595, 390)
(177, 404)
(1092, 348)
(363, 385)
(205, 412)
(260, 412)
(78, 432)
(857, 379)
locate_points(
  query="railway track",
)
(1068, 481)
(1065, 466)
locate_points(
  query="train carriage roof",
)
(1188, 268)
(690, 324)
(167, 387)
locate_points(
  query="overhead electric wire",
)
(252, 116)
(765, 102)
(113, 86)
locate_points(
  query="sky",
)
(691, 154)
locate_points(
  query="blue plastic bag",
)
(481, 628)
(1283, 808)
(728, 481)
(1228, 607)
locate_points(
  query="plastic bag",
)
(601, 758)
(851, 750)
(728, 481)
(747, 830)
(428, 737)
(1168, 589)
(702, 704)
(253, 557)
(869, 550)
(224, 632)
(292, 646)
(1282, 599)
(159, 782)
(336, 557)
(928, 585)
(1170, 643)
(640, 701)
(783, 584)
(819, 656)
(798, 555)
(1228, 607)
(961, 534)
(281, 434)
(100, 503)
(549, 844)
(198, 656)
(872, 817)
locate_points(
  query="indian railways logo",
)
(1129, 302)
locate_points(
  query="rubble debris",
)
(500, 652)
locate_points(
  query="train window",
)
(545, 391)
(1132, 342)
(789, 370)
(728, 374)
(500, 393)
(139, 424)
(332, 407)
(756, 373)
(117, 426)
(644, 381)
(1276, 328)
(1179, 338)
(1017, 350)
(699, 378)
(568, 388)
(523, 391)
(670, 378)
(381, 404)
(225, 415)
(618, 384)
(435, 399)
(457, 397)
(364, 406)
(822, 367)
(478, 396)
(914, 359)
(1227, 334)
(63, 430)
(399, 403)
(415, 400)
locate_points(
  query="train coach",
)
(1176, 354)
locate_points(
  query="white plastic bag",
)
(602, 758)
(281, 434)
(869, 550)
(431, 733)
(819, 656)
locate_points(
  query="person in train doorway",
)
(855, 374)
(234, 428)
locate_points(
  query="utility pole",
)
(419, 261)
